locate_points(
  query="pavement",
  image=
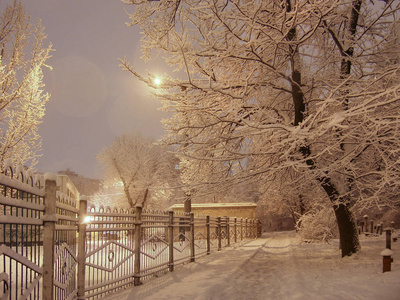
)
(201, 277)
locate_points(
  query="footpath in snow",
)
(278, 266)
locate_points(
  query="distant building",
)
(86, 186)
(67, 187)
(238, 210)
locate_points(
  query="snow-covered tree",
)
(22, 98)
(266, 88)
(144, 171)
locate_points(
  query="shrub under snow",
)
(318, 225)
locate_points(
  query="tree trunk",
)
(146, 193)
(346, 225)
(348, 234)
(302, 209)
(349, 242)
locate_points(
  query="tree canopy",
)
(22, 96)
(143, 170)
(268, 88)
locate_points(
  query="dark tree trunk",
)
(345, 68)
(302, 207)
(348, 233)
(146, 193)
(302, 210)
(346, 225)
(349, 242)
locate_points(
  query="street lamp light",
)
(157, 81)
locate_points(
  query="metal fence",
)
(38, 238)
(50, 249)
(21, 237)
(124, 247)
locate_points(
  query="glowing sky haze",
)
(92, 99)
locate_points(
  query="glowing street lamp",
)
(88, 219)
(157, 81)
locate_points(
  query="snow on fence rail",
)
(50, 249)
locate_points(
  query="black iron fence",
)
(50, 249)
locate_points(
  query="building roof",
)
(215, 205)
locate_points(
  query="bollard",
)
(361, 227)
(366, 223)
(378, 228)
(388, 238)
(387, 260)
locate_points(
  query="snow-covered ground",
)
(279, 266)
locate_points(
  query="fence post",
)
(208, 235)
(219, 233)
(377, 228)
(82, 248)
(235, 229)
(228, 235)
(49, 237)
(192, 254)
(171, 240)
(246, 229)
(365, 223)
(138, 237)
(241, 229)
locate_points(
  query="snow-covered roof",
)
(209, 205)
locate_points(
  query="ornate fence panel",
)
(239, 230)
(154, 254)
(200, 236)
(182, 238)
(214, 234)
(65, 257)
(21, 236)
(224, 235)
(109, 254)
(232, 230)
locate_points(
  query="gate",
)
(65, 247)
(21, 236)
(37, 239)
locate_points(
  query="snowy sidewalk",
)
(193, 280)
(278, 266)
